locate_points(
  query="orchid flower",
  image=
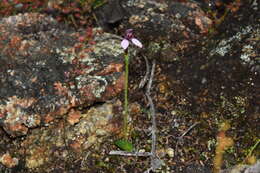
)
(129, 37)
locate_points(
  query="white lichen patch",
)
(143, 3)
(224, 46)
(138, 19)
(97, 84)
(99, 90)
(248, 49)
(64, 56)
(250, 52)
(14, 109)
(22, 19)
(222, 49)
(108, 47)
(255, 4)
(32, 121)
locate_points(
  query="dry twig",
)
(126, 153)
(185, 133)
(155, 161)
(144, 80)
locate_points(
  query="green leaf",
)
(97, 3)
(124, 145)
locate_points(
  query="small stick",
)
(144, 80)
(126, 153)
(185, 133)
(189, 129)
(149, 85)
(155, 162)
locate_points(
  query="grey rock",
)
(48, 68)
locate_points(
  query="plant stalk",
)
(126, 112)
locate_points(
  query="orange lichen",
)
(223, 143)
(48, 118)
(8, 161)
(116, 88)
(61, 90)
(251, 160)
(15, 42)
(234, 6)
(111, 68)
(73, 117)
(204, 23)
(16, 127)
(76, 145)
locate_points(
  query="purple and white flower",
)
(129, 37)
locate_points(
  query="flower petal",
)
(125, 44)
(136, 42)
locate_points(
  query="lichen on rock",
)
(60, 139)
(46, 69)
(168, 28)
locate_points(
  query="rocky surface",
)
(168, 28)
(47, 69)
(63, 140)
(54, 81)
(175, 29)
(255, 168)
(49, 148)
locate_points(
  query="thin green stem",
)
(253, 148)
(126, 113)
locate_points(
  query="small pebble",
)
(170, 152)
(141, 151)
(173, 112)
